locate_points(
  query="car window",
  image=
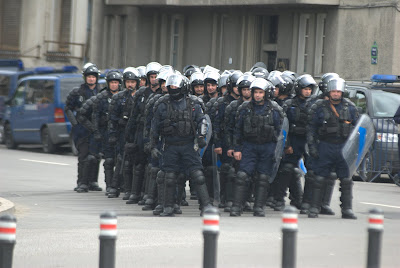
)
(67, 84)
(384, 104)
(361, 101)
(18, 98)
(40, 91)
(4, 85)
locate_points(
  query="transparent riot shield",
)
(280, 145)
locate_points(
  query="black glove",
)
(97, 136)
(201, 141)
(155, 153)
(147, 148)
(130, 147)
(112, 140)
(314, 152)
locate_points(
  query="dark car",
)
(381, 105)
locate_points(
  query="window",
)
(176, 40)
(40, 91)
(18, 98)
(303, 43)
(65, 25)
(10, 21)
(4, 85)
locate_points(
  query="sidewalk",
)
(6, 206)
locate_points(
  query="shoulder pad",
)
(289, 102)
(276, 106)
(244, 105)
(220, 99)
(141, 90)
(346, 100)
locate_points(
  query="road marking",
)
(382, 205)
(45, 162)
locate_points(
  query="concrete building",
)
(355, 38)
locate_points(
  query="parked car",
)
(380, 105)
(35, 113)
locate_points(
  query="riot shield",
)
(208, 136)
(216, 182)
(280, 145)
(358, 143)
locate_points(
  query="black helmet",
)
(90, 69)
(232, 80)
(260, 72)
(187, 67)
(283, 83)
(303, 81)
(114, 75)
(179, 82)
(223, 80)
(244, 81)
(287, 87)
(336, 83)
(211, 77)
(290, 74)
(131, 73)
(152, 68)
(188, 73)
(324, 81)
(163, 75)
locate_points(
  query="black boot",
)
(209, 180)
(137, 182)
(307, 196)
(202, 193)
(180, 188)
(150, 203)
(193, 194)
(230, 178)
(84, 179)
(127, 174)
(108, 173)
(346, 187)
(160, 193)
(283, 179)
(81, 164)
(169, 194)
(239, 193)
(261, 189)
(145, 186)
(94, 175)
(327, 196)
(316, 196)
(296, 189)
(114, 190)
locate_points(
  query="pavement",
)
(6, 206)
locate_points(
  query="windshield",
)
(68, 84)
(384, 104)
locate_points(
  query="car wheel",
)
(48, 145)
(8, 137)
(366, 168)
(73, 147)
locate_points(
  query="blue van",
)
(35, 112)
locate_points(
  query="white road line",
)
(382, 205)
(45, 162)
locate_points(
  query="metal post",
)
(108, 236)
(375, 230)
(8, 226)
(210, 233)
(289, 234)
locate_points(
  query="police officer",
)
(143, 77)
(243, 85)
(150, 202)
(180, 122)
(329, 127)
(255, 136)
(119, 111)
(82, 136)
(226, 170)
(297, 113)
(197, 84)
(135, 129)
(100, 120)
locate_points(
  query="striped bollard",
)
(289, 232)
(375, 230)
(8, 227)
(108, 236)
(210, 234)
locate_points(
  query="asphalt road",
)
(57, 227)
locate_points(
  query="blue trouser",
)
(330, 159)
(298, 144)
(178, 157)
(257, 157)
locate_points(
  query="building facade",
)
(355, 38)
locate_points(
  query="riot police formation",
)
(88, 157)
(223, 133)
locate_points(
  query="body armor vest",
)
(298, 126)
(259, 128)
(178, 122)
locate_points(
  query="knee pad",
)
(242, 178)
(170, 179)
(287, 167)
(333, 176)
(263, 180)
(225, 167)
(154, 171)
(108, 163)
(160, 177)
(91, 159)
(198, 177)
(318, 181)
(181, 177)
(346, 182)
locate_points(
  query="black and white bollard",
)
(210, 234)
(8, 227)
(108, 236)
(289, 233)
(375, 230)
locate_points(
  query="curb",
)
(6, 206)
